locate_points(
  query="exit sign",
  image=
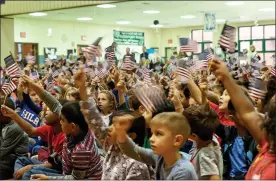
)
(170, 41)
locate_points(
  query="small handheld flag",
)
(187, 45)
(227, 38)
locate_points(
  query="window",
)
(262, 37)
(204, 39)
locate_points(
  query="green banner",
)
(128, 38)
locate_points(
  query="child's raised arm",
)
(243, 106)
(129, 147)
(89, 109)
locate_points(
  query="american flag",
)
(101, 73)
(204, 58)
(257, 89)
(12, 68)
(139, 73)
(56, 73)
(34, 76)
(183, 68)
(128, 57)
(209, 56)
(110, 58)
(228, 37)
(273, 72)
(183, 72)
(187, 45)
(92, 51)
(49, 83)
(8, 87)
(30, 59)
(151, 97)
(128, 65)
(147, 78)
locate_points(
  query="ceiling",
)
(170, 12)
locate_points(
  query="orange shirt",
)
(264, 165)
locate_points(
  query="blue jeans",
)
(24, 161)
(41, 170)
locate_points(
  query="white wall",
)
(7, 38)
(36, 32)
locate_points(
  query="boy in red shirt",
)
(51, 133)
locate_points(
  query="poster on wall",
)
(50, 53)
(210, 22)
(129, 38)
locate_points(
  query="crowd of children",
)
(182, 120)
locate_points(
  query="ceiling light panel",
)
(123, 22)
(151, 12)
(38, 14)
(188, 17)
(234, 3)
(84, 19)
(106, 6)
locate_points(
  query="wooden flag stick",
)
(5, 99)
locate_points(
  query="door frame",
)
(37, 54)
(166, 48)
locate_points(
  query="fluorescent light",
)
(267, 9)
(242, 17)
(123, 22)
(106, 6)
(37, 14)
(84, 19)
(234, 3)
(156, 26)
(188, 17)
(151, 12)
(220, 20)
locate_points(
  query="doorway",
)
(24, 49)
(169, 51)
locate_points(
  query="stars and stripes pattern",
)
(183, 68)
(187, 45)
(8, 87)
(128, 64)
(228, 37)
(151, 97)
(49, 83)
(34, 76)
(56, 73)
(273, 72)
(101, 73)
(30, 59)
(110, 56)
(91, 51)
(183, 72)
(12, 68)
(147, 78)
(257, 89)
(209, 56)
